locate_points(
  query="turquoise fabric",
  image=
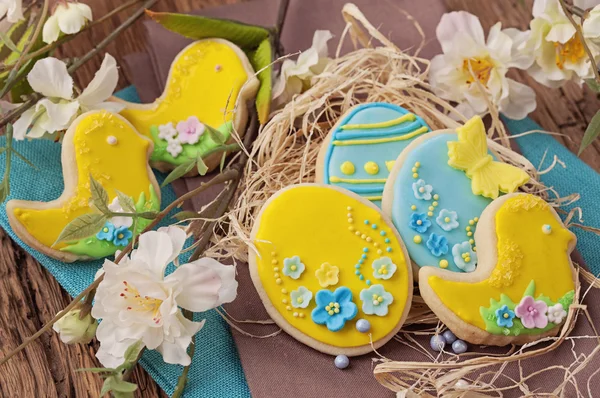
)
(216, 370)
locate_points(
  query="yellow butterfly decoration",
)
(470, 153)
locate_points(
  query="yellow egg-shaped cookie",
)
(330, 269)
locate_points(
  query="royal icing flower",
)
(301, 297)
(119, 221)
(137, 302)
(327, 275)
(447, 220)
(13, 9)
(121, 236)
(334, 309)
(74, 330)
(419, 222)
(556, 313)
(437, 244)
(107, 232)
(383, 268)
(293, 267)
(174, 148)
(464, 256)
(376, 300)
(190, 130)
(504, 317)
(167, 132)
(68, 18)
(532, 313)
(422, 190)
(472, 71)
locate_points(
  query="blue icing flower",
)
(422, 190)
(334, 308)
(447, 220)
(504, 316)
(122, 236)
(419, 222)
(107, 232)
(376, 300)
(437, 244)
(301, 297)
(464, 256)
(383, 268)
(293, 267)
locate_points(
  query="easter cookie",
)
(107, 147)
(524, 282)
(437, 190)
(361, 148)
(330, 269)
(208, 85)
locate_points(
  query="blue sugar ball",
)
(459, 347)
(363, 326)
(341, 362)
(449, 336)
(437, 342)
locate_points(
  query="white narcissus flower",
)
(50, 78)
(68, 18)
(13, 9)
(295, 77)
(73, 330)
(469, 63)
(136, 302)
(557, 51)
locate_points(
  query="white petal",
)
(103, 84)
(229, 285)
(50, 78)
(51, 30)
(459, 21)
(561, 33)
(178, 238)
(85, 10)
(591, 26)
(156, 251)
(15, 11)
(197, 287)
(520, 58)
(40, 126)
(585, 4)
(520, 101)
(21, 126)
(539, 7)
(60, 114)
(70, 20)
(319, 43)
(499, 44)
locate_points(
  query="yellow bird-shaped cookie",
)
(470, 153)
(108, 148)
(208, 85)
(524, 281)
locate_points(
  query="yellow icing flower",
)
(327, 275)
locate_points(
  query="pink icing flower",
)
(532, 313)
(190, 130)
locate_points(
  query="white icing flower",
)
(469, 64)
(167, 131)
(557, 52)
(296, 77)
(115, 207)
(301, 298)
(13, 9)
(421, 190)
(174, 147)
(57, 111)
(68, 18)
(447, 220)
(556, 313)
(464, 256)
(73, 330)
(136, 302)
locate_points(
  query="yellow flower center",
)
(135, 302)
(478, 68)
(572, 51)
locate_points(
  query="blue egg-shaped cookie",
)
(362, 147)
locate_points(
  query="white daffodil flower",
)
(68, 18)
(50, 78)
(558, 53)
(295, 76)
(472, 71)
(74, 330)
(586, 4)
(13, 9)
(136, 302)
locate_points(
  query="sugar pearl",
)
(341, 362)
(459, 347)
(449, 336)
(437, 342)
(363, 326)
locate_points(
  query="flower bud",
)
(73, 330)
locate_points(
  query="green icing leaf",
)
(99, 196)
(261, 60)
(215, 135)
(197, 27)
(530, 291)
(82, 227)
(179, 172)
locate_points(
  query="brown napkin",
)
(280, 366)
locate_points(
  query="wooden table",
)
(30, 296)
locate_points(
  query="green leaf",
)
(107, 386)
(123, 386)
(185, 215)
(179, 172)
(126, 202)
(132, 352)
(9, 43)
(197, 27)
(261, 60)
(82, 227)
(222, 164)
(202, 167)
(215, 135)
(99, 196)
(23, 158)
(591, 133)
(593, 85)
